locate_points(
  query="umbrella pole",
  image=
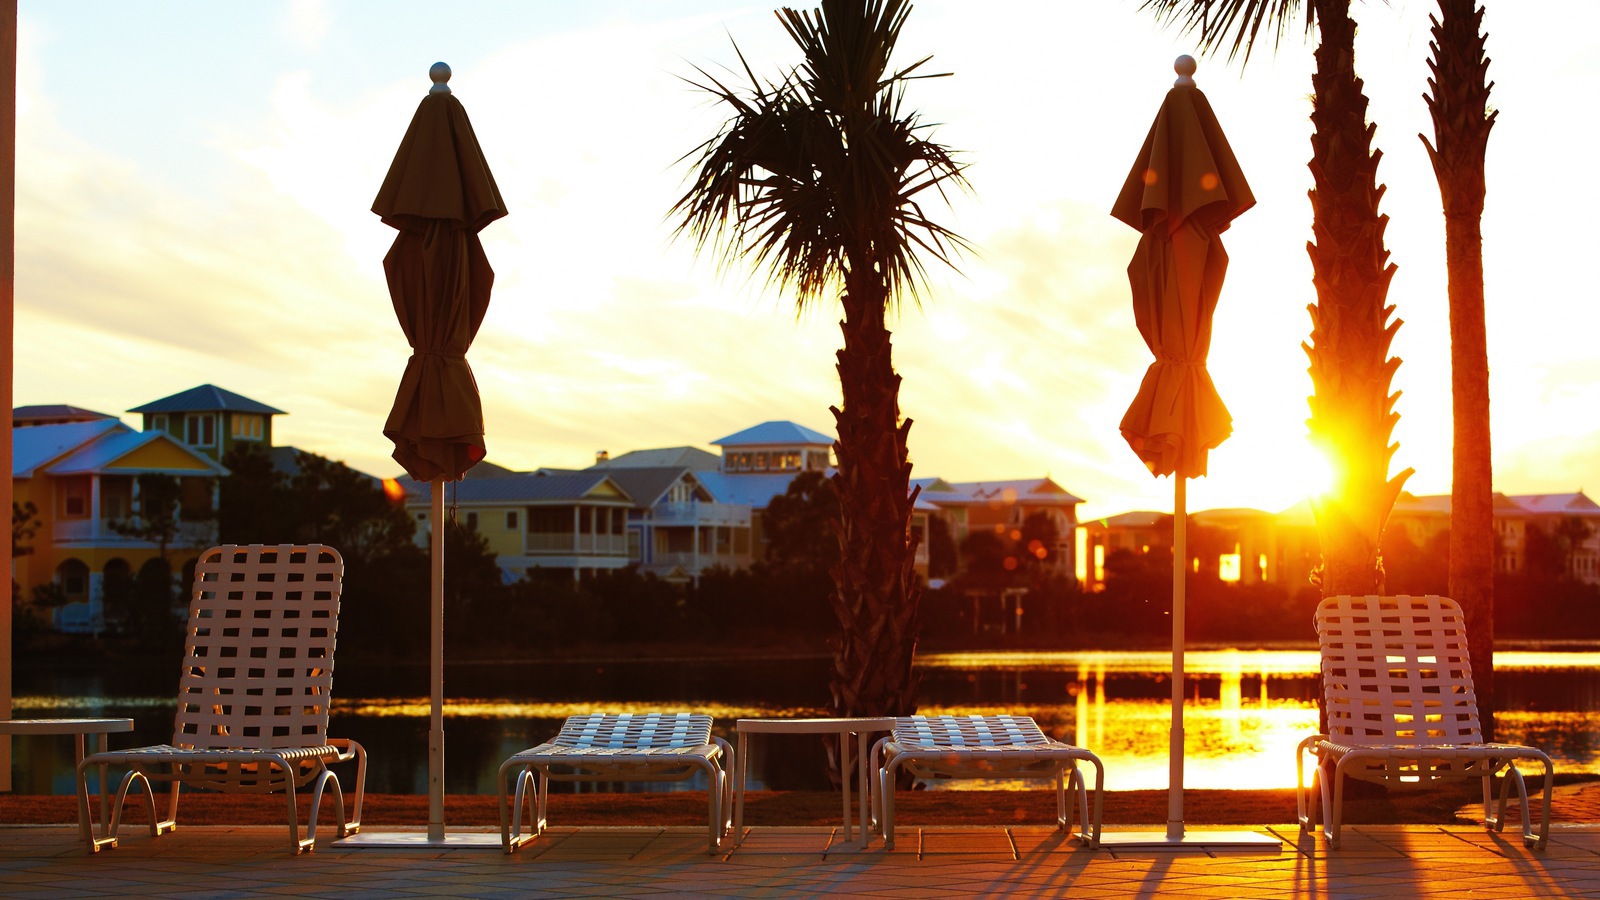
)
(1180, 565)
(436, 669)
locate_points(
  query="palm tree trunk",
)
(875, 595)
(1352, 411)
(1461, 124)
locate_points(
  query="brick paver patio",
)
(1373, 861)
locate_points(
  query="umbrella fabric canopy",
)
(439, 193)
(1184, 189)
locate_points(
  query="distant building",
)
(1004, 508)
(567, 523)
(1249, 545)
(210, 419)
(53, 414)
(83, 481)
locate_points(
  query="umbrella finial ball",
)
(1184, 66)
(440, 73)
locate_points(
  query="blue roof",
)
(522, 487)
(755, 491)
(102, 454)
(1030, 491)
(207, 398)
(56, 413)
(777, 432)
(38, 445)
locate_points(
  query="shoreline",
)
(1458, 803)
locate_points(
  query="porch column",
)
(94, 505)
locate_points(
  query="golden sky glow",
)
(194, 182)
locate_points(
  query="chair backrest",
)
(642, 731)
(968, 731)
(1395, 671)
(258, 652)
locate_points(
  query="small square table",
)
(843, 727)
(78, 728)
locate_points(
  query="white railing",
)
(567, 543)
(732, 515)
(703, 560)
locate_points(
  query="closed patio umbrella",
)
(438, 194)
(1184, 189)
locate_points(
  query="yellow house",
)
(570, 523)
(81, 481)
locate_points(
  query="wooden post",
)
(8, 271)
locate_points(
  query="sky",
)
(194, 184)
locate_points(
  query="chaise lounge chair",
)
(616, 747)
(942, 747)
(253, 694)
(1402, 711)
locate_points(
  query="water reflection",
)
(1244, 714)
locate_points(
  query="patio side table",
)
(844, 728)
(79, 729)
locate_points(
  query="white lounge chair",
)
(253, 694)
(942, 747)
(616, 747)
(1402, 711)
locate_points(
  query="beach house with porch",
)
(79, 482)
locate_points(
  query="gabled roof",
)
(648, 486)
(1576, 504)
(781, 433)
(207, 398)
(522, 487)
(105, 453)
(1139, 518)
(54, 414)
(1027, 491)
(486, 469)
(41, 445)
(681, 457)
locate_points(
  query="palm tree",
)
(816, 178)
(1352, 410)
(1461, 123)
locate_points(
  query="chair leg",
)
(1062, 823)
(1092, 826)
(323, 779)
(714, 802)
(511, 836)
(886, 792)
(352, 825)
(170, 823)
(1305, 800)
(1332, 810)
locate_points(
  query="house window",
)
(511, 521)
(200, 430)
(761, 462)
(472, 521)
(248, 427)
(158, 422)
(74, 578)
(75, 498)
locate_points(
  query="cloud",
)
(306, 23)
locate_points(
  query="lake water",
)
(1246, 711)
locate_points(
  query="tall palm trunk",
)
(1352, 411)
(875, 593)
(1461, 124)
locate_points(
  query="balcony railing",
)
(569, 544)
(729, 515)
(704, 560)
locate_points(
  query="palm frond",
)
(815, 175)
(1242, 21)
